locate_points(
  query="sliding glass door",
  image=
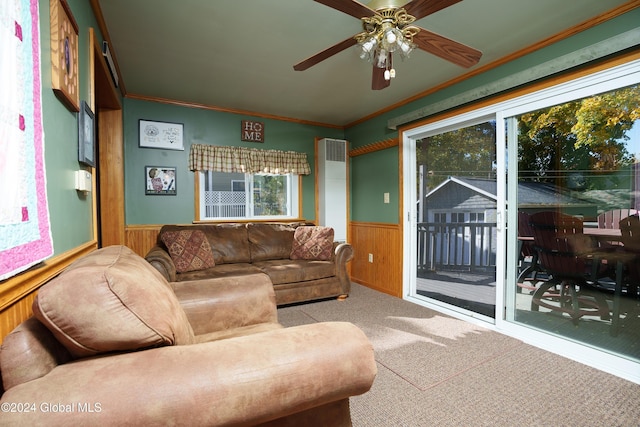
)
(578, 166)
(455, 211)
(525, 214)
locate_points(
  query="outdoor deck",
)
(475, 292)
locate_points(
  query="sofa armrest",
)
(161, 261)
(239, 381)
(225, 303)
(342, 255)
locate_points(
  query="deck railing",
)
(456, 246)
(233, 204)
(225, 204)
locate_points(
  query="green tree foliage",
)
(586, 136)
(470, 152)
(578, 140)
(272, 195)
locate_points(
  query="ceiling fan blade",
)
(448, 49)
(350, 7)
(321, 56)
(378, 82)
(422, 8)
(377, 79)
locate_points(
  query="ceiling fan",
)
(388, 29)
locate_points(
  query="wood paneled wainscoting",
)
(384, 243)
(141, 238)
(18, 292)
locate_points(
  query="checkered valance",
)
(247, 160)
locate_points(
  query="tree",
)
(272, 194)
(470, 151)
(586, 137)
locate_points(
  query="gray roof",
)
(529, 193)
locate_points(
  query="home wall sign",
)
(168, 136)
(252, 131)
(64, 54)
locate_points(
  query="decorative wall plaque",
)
(252, 131)
(64, 54)
(168, 136)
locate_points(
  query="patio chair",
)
(528, 257)
(630, 237)
(571, 259)
(612, 218)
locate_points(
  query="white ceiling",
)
(239, 54)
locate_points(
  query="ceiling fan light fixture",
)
(368, 48)
(405, 48)
(381, 58)
(391, 39)
(389, 30)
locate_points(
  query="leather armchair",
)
(112, 343)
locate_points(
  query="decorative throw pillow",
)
(189, 250)
(312, 243)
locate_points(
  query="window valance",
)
(247, 160)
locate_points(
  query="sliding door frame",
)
(409, 139)
(601, 77)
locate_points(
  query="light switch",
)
(386, 197)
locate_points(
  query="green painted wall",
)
(383, 167)
(201, 126)
(70, 212)
(371, 174)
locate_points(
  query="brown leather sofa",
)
(113, 343)
(249, 248)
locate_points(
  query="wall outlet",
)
(386, 197)
(370, 257)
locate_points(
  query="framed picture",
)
(86, 136)
(168, 136)
(64, 54)
(160, 181)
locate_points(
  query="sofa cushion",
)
(283, 271)
(189, 249)
(229, 242)
(111, 300)
(270, 241)
(219, 271)
(312, 243)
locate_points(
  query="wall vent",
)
(336, 150)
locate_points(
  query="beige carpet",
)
(434, 370)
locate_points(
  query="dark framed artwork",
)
(86, 135)
(160, 181)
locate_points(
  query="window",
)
(247, 183)
(457, 217)
(225, 195)
(476, 217)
